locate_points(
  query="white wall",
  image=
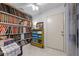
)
(71, 30)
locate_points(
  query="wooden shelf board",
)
(13, 15)
(12, 34)
(36, 29)
(10, 24)
(28, 38)
(37, 44)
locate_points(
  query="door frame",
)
(64, 31)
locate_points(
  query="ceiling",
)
(43, 7)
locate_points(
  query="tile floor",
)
(29, 50)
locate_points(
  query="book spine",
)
(2, 18)
(6, 18)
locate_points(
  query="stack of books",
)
(3, 29)
(9, 9)
(8, 19)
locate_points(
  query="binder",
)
(1, 7)
(0, 17)
(10, 19)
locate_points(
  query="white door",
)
(55, 31)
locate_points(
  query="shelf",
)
(13, 15)
(26, 32)
(37, 29)
(12, 34)
(40, 34)
(10, 24)
(35, 42)
(28, 38)
(15, 25)
(22, 39)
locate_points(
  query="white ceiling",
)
(43, 7)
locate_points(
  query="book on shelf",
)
(26, 35)
(19, 29)
(28, 29)
(11, 32)
(11, 10)
(24, 30)
(3, 29)
(14, 11)
(3, 17)
(1, 7)
(16, 37)
(15, 20)
(7, 9)
(10, 19)
(18, 20)
(22, 15)
(17, 12)
(8, 31)
(0, 17)
(29, 23)
(25, 23)
(7, 17)
(15, 30)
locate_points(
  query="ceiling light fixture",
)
(34, 7)
(40, 4)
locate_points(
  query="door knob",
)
(62, 31)
(62, 34)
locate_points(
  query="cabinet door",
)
(55, 33)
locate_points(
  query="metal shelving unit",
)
(15, 25)
(12, 26)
